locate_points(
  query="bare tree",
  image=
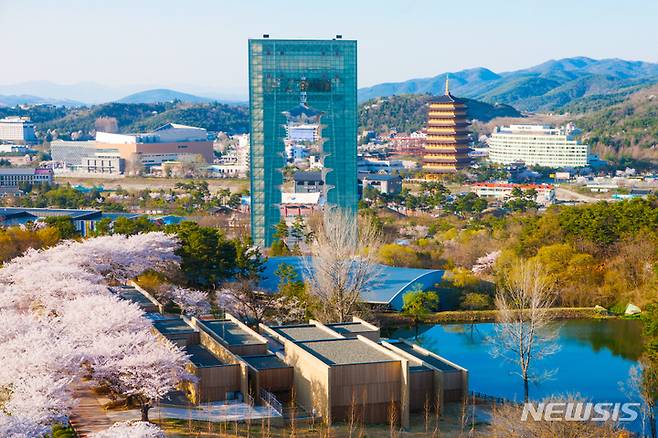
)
(342, 264)
(524, 333)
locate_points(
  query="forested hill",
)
(408, 113)
(233, 119)
(628, 128)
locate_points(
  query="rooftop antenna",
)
(447, 82)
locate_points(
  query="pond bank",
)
(392, 319)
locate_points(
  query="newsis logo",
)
(580, 411)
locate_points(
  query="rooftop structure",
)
(447, 142)
(388, 288)
(537, 145)
(304, 332)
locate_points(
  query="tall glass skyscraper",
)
(301, 81)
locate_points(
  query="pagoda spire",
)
(447, 84)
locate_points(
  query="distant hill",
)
(548, 86)
(162, 95)
(233, 119)
(408, 112)
(624, 130)
(13, 100)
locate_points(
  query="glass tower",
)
(306, 78)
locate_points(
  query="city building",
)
(15, 129)
(109, 163)
(538, 145)
(170, 142)
(69, 154)
(384, 184)
(309, 182)
(11, 178)
(447, 142)
(14, 149)
(376, 165)
(503, 191)
(297, 87)
(234, 162)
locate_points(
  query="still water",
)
(594, 357)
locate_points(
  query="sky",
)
(202, 44)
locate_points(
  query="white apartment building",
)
(503, 191)
(17, 129)
(537, 145)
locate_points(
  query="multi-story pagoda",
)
(447, 143)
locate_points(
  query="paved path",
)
(563, 194)
(89, 416)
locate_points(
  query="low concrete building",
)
(344, 369)
(84, 221)
(384, 184)
(503, 191)
(308, 182)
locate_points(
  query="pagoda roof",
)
(446, 98)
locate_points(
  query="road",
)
(141, 183)
(562, 194)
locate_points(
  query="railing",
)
(270, 400)
(490, 398)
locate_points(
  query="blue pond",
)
(594, 357)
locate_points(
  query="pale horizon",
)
(201, 47)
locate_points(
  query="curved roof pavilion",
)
(388, 289)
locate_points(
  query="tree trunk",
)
(145, 411)
(652, 424)
(525, 390)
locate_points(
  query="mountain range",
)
(545, 87)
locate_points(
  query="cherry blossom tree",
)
(191, 302)
(61, 322)
(131, 429)
(485, 264)
(147, 373)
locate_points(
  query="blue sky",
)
(203, 43)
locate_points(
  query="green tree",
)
(419, 303)
(207, 257)
(279, 246)
(476, 301)
(64, 226)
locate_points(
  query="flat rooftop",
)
(430, 359)
(230, 332)
(172, 326)
(350, 328)
(201, 357)
(132, 294)
(265, 362)
(345, 351)
(303, 332)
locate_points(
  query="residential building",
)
(447, 142)
(503, 191)
(17, 130)
(537, 145)
(170, 142)
(302, 204)
(296, 83)
(309, 182)
(234, 163)
(11, 178)
(384, 184)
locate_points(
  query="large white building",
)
(537, 145)
(17, 129)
